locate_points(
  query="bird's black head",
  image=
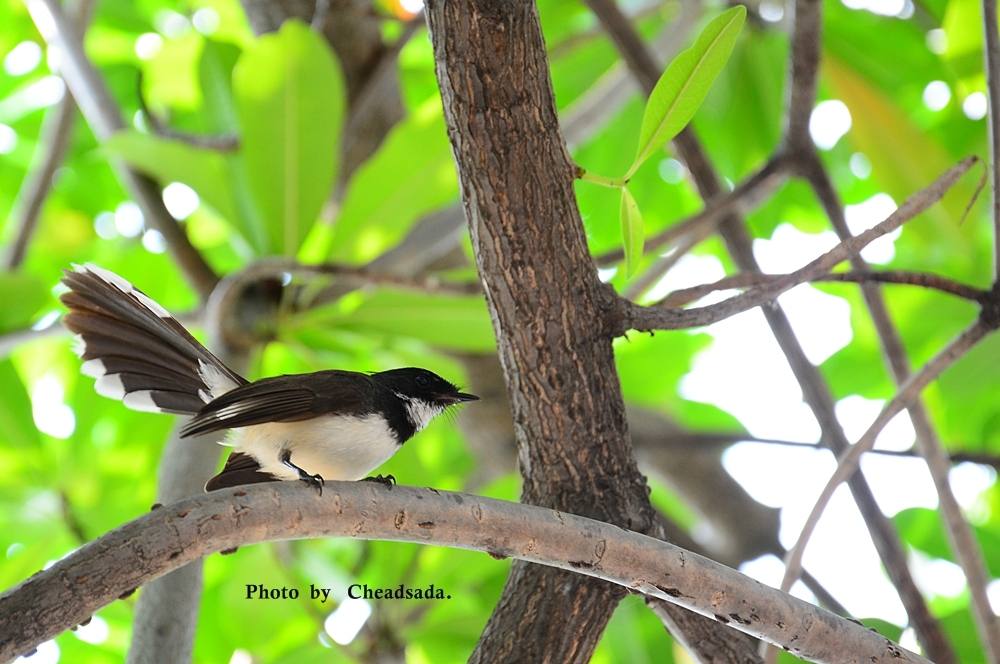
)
(424, 393)
(421, 384)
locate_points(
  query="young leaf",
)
(632, 232)
(290, 103)
(683, 86)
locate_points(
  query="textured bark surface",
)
(547, 306)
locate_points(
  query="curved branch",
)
(96, 574)
(847, 464)
(751, 280)
(631, 315)
(105, 118)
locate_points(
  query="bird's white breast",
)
(335, 447)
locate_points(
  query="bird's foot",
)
(315, 481)
(388, 480)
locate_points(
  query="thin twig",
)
(57, 132)
(803, 65)
(54, 143)
(634, 316)
(847, 464)
(816, 392)
(105, 119)
(748, 280)
(94, 575)
(225, 143)
(714, 439)
(664, 264)
(992, 55)
(961, 538)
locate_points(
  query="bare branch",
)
(54, 142)
(750, 280)
(803, 66)
(71, 590)
(653, 318)
(992, 54)
(104, 117)
(848, 462)
(57, 132)
(960, 535)
(814, 388)
(713, 439)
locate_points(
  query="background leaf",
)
(685, 83)
(290, 102)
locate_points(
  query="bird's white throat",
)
(419, 411)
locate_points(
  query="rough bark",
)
(547, 306)
(97, 573)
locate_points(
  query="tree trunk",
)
(548, 309)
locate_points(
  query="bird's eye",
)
(421, 380)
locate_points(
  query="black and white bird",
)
(334, 425)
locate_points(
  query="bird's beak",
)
(458, 397)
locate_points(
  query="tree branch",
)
(803, 67)
(847, 464)
(991, 51)
(814, 388)
(960, 535)
(71, 590)
(634, 316)
(749, 280)
(104, 118)
(714, 439)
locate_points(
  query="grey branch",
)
(814, 388)
(847, 464)
(750, 280)
(71, 590)
(57, 132)
(632, 315)
(992, 54)
(961, 538)
(104, 118)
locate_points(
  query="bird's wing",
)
(284, 399)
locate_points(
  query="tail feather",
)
(136, 350)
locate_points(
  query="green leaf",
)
(23, 295)
(17, 428)
(290, 102)
(683, 86)
(205, 171)
(445, 321)
(632, 232)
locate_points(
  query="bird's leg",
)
(315, 480)
(388, 480)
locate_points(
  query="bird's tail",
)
(137, 351)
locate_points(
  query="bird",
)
(325, 425)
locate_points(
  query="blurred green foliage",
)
(282, 96)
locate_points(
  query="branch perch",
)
(96, 574)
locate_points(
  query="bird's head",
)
(424, 393)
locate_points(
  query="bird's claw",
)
(387, 480)
(316, 481)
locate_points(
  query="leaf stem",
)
(613, 183)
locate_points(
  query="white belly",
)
(336, 448)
